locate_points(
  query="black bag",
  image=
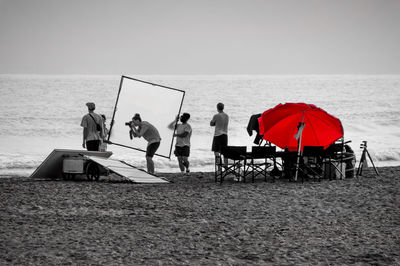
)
(98, 127)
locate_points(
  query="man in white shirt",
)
(182, 146)
(220, 140)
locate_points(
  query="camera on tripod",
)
(363, 144)
(363, 160)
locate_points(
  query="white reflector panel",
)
(159, 105)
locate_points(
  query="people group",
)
(95, 133)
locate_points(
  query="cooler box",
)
(73, 165)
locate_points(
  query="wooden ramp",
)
(52, 166)
(126, 171)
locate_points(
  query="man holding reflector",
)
(146, 130)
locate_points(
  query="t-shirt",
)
(88, 122)
(221, 121)
(149, 133)
(185, 141)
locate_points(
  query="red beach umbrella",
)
(280, 126)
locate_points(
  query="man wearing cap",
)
(92, 128)
(146, 130)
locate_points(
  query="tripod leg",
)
(369, 156)
(360, 166)
(360, 169)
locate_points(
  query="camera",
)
(363, 144)
(132, 134)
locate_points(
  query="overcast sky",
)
(200, 37)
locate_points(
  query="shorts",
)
(219, 142)
(152, 148)
(93, 145)
(182, 151)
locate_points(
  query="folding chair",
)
(289, 159)
(334, 161)
(312, 162)
(236, 156)
(261, 158)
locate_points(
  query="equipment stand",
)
(363, 159)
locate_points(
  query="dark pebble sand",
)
(195, 221)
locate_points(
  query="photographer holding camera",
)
(146, 130)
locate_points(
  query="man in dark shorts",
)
(146, 130)
(182, 146)
(220, 140)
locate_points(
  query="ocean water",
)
(40, 113)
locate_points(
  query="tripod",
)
(363, 159)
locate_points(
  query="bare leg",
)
(218, 155)
(218, 160)
(185, 162)
(180, 162)
(150, 165)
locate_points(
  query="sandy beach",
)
(194, 221)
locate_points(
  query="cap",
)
(91, 106)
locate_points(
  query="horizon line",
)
(137, 74)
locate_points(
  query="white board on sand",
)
(52, 166)
(159, 105)
(127, 171)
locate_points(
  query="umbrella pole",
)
(300, 132)
(298, 159)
